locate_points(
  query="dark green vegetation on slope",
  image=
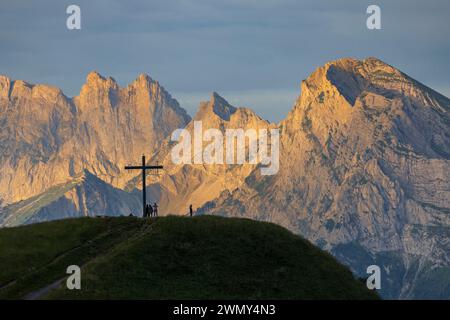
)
(171, 258)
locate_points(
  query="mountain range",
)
(364, 164)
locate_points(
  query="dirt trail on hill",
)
(42, 292)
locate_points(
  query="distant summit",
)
(364, 173)
(47, 139)
(217, 106)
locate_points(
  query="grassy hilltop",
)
(203, 257)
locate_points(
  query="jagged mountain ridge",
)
(195, 184)
(48, 138)
(364, 160)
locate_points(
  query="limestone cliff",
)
(364, 165)
(47, 138)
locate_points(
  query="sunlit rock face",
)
(364, 173)
(180, 185)
(47, 138)
(364, 164)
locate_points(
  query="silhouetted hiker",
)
(150, 210)
(191, 212)
(155, 209)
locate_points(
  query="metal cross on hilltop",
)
(143, 167)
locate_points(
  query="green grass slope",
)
(203, 257)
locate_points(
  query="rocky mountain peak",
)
(23, 90)
(97, 82)
(102, 129)
(364, 159)
(217, 106)
(97, 91)
(340, 90)
(147, 86)
(144, 78)
(348, 77)
(94, 78)
(351, 77)
(20, 88)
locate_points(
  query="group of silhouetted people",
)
(151, 211)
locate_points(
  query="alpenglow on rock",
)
(48, 139)
(364, 173)
(196, 184)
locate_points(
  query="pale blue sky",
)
(253, 52)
